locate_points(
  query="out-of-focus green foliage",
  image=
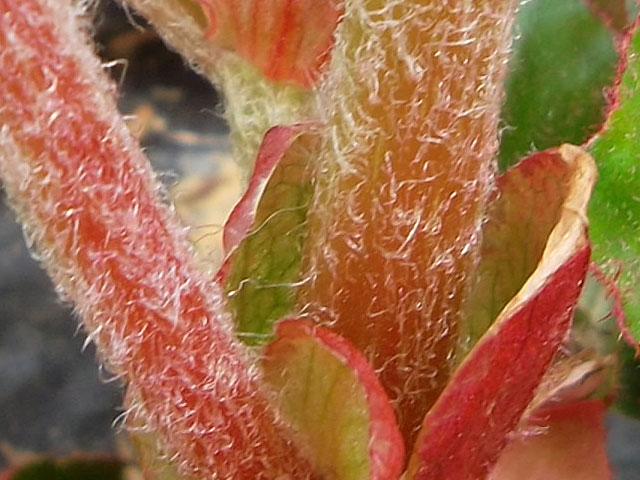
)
(71, 469)
(564, 58)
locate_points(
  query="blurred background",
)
(53, 398)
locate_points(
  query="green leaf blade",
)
(564, 57)
(332, 397)
(614, 212)
(264, 266)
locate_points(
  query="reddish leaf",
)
(527, 205)
(287, 40)
(466, 429)
(569, 445)
(331, 395)
(464, 432)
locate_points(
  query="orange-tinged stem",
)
(92, 208)
(413, 102)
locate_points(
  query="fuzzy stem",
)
(92, 210)
(413, 101)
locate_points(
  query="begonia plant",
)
(402, 295)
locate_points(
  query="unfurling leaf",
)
(465, 431)
(288, 41)
(528, 202)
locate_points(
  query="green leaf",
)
(269, 228)
(614, 212)
(333, 398)
(563, 59)
(90, 468)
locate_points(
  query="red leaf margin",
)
(465, 431)
(612, 94)
(275, 144)
(386, 446)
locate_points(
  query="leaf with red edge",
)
(569, 445)
(266, 232)
(332, 397)
(276, 144)
(464, 432)
(287, 40)
(614, 212)
(526, 206)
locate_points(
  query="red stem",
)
(92, 208)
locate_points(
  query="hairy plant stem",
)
(412, 103)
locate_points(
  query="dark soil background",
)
(53, 398)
